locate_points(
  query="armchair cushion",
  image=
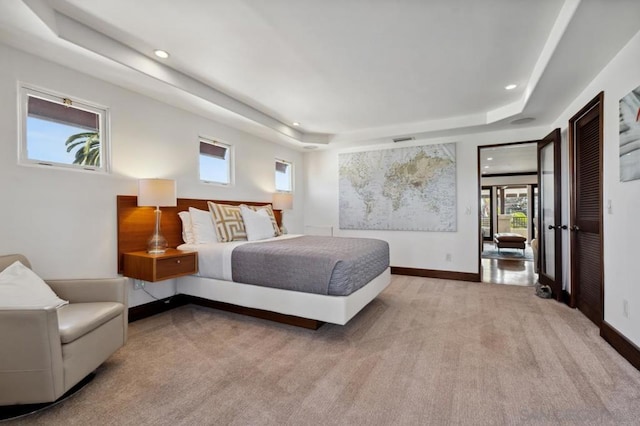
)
(77, 319)
(21, 288)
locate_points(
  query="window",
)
(63, 132)
(215, 162)
(284, 182)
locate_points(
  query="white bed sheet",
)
(214, 259)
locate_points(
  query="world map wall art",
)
(630, 136)
(401, 189)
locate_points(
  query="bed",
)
(282, 297)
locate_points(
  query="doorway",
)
(508, 205)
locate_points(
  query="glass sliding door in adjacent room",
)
(516, 205)
(486, 206)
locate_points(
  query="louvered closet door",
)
(586, 229)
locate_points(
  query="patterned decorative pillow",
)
(269, 210)
(228, 223)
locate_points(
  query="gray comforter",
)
(312, 264)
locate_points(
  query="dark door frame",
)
(556, 283)
(596, 102)
(534, 212)
(491, 212)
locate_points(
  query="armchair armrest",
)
(91, 290)
(30, 356)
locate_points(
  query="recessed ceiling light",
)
(511, 86)
(486, 167)
(295, 123)
(161, 53)
(489, 158)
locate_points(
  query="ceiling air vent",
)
(523, 120)
(405, 139)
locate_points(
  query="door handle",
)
(557, 227)
(575, 228)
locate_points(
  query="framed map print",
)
(405, 189)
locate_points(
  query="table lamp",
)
(157, 193)
(282, 201)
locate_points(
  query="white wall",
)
(423, 250)
(621, 232)
(65, 221)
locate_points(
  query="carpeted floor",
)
(426, 351)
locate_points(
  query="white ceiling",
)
(509, 159)
(347, 71)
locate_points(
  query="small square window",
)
(284, 181)
(63, 132)
(215, 162)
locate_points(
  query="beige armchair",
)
(45, 352)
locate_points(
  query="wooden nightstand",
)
(157, 267)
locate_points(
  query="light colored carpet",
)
(426, 351)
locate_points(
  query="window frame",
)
(230, 161)
(290, 165)
(25, 91)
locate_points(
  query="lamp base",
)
(157, 244)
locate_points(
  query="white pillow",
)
(187, 227)
(21, 288)
(257, 223)
(202, 226)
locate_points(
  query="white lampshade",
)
(282, 201)
(157, 192)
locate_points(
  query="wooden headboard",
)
(135, 224)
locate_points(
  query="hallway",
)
(508, 271)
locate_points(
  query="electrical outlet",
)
(625, 308)
(138, 284)
(448, 257)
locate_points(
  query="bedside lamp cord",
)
(145, 290)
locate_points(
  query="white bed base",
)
(332, 309)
